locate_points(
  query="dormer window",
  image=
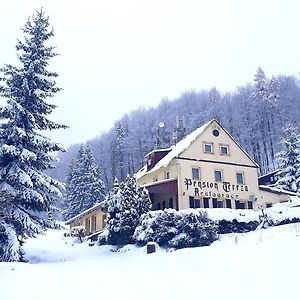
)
(167, 175)
(208, 147)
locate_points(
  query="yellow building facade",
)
(206, 169)
(92, 219)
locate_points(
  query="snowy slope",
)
(261, 265)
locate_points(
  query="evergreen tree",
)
(68, 200)
(83, 184)
(125, 207)
(118, 153)
(24, 152)
(289, 160)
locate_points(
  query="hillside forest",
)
(254, 114)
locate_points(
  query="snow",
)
(262, 264)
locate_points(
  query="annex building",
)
(207, 169)
(92, 219)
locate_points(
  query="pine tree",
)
(289, 160)
(68, 199)
(125, 207)
(83, 184)
(24, 152)
(118, 153)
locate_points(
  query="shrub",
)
(78, 231)
(176, 229)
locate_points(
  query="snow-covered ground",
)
(258, 265)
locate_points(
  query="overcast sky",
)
(118, 55)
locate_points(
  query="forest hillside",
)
(254, 115)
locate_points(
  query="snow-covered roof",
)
(267, 174)
(158, 182)
(176, 150)
(159, 150)
(85, 212)
(141, 172)
(276, 190)
(182, 146)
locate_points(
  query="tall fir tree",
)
(125, 207)
(289, 160)
(25, 153)
(118, 153)
(84, 186)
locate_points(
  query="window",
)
(194, 203)
(103, 221)
(224, 150)
(216, 132)
(228, 203)
(220, 203)
(208, 148)
(167, 175)
(171, 203)
(239, 205)
(196, 173)
(240, 178)
(215, 202)
(250, 205)
(206, 202)
(158, 206)
(269, 205)
(218, 176)
(94, 222)
(164, 205)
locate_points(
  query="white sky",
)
(118, 55)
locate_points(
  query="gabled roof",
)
(97, 206)
(181, 146)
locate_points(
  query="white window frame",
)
(243, 176)
(199, 172)
(224, 146)
(208, 144)
(221, 175)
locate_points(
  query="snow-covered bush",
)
(176, 229)
(78, 231)
(225, 226)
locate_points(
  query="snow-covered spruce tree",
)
(84, 186)
(68, 203)
(289, 160)
(125, 207)
(117, 155)
(25, 153)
